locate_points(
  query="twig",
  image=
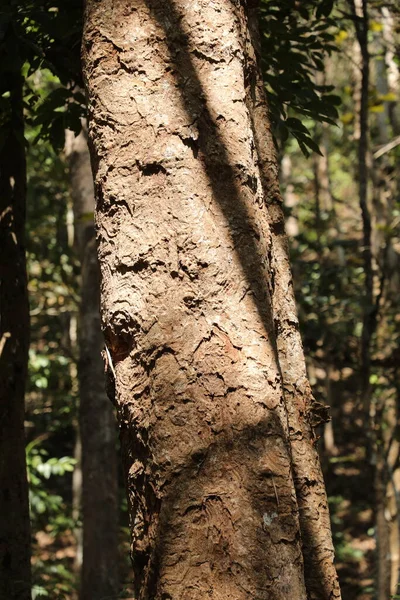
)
(387, 147)
(110, 362)
(3, 340)
(276, 493)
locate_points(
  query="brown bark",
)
(225, 491)
(302, 410)
(99, 576)
(15, 582)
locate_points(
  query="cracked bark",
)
(225, 490)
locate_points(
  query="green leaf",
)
(324, 9)
(313, 145)
(296, 125)
(57, 132)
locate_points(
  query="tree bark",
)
(225, 491)
(393, 71)
(15, 579)
(99, 576)
(360, 14)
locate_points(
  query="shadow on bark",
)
(224, 179)
(271, 498)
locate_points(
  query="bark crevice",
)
(208, 419)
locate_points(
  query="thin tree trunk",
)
(290, 198)
(392, 498)
(71, 341)
(382, 418)
(382, 88)
(360, 14)
(97, 421)
(77, 502)
(15, 580)
(393, 72)
(223, 479)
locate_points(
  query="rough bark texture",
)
(198, 309)
(14, 342)
(97, 421)
(302, 411)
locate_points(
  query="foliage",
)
(51, 400)
(51, 395)
(296, 37)
(42, 502)
(37, 35)
(56, 580)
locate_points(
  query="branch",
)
(387, 147)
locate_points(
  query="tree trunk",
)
(290, 198)
(15, 581)
(97, 421)
(360, 14)
(393, 71)
(382, 530)
(225, 490)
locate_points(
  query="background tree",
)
(329, 284)
(14, 333)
